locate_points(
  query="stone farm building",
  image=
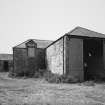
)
(6, 62)
(29, 57)
(79, 53)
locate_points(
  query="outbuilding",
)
(6, 62)
(29, 57)
(79, 53)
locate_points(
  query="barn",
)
(80, 53)
(6, 62)
(29, 57)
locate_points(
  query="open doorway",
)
(93, 58)
(6, 66)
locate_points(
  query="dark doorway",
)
(5, 66)
(93, 58)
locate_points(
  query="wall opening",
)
(6, 66)
(93, 58)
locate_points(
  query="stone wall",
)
(36, 63)
(54, 57)
(19, 60)
(28, 65)
(41, 58)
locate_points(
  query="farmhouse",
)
(79, 53)
(6, 62)
(29, 57)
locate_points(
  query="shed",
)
(29, 57)
(6, 62)
(80, 53)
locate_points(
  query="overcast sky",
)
(46, 19)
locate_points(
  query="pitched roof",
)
(40, 43)
(6, 56)
(79, 31)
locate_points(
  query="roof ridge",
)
(33, 40)
(88, 30)
(41, 40)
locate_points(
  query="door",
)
(76, 58)
(93, 58)
(5, 66)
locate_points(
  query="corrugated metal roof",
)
(79, 31)
(40, 43)
(6, 56)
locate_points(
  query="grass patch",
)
(89, 83)
(55, 78)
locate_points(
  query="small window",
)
(31, 47)
(31, 52)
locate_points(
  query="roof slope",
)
(40, 43)
(79, 31)
(6, 56)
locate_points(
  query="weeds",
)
(89, 83)
(55, 78)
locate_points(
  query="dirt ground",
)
(39, 92)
